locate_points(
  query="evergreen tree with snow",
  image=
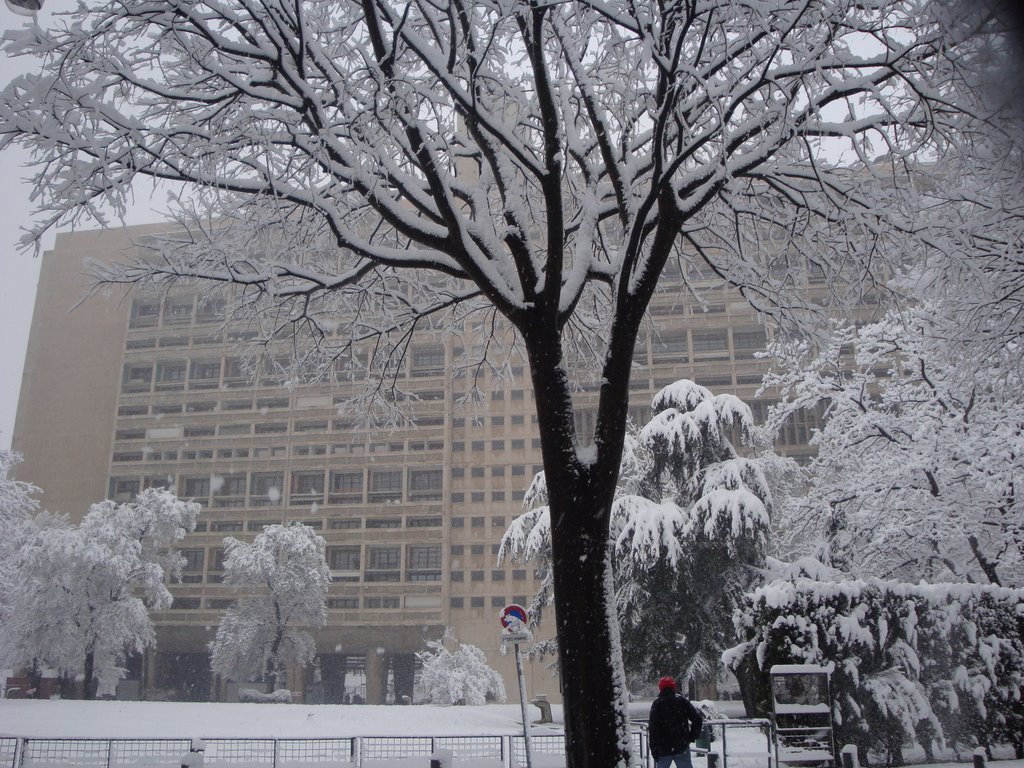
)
(79, 597)
(689, 531)
(282, 580)
(459, 677)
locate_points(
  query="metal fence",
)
(357, 752)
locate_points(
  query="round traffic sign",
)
(513, 617)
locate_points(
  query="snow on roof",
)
(802, 669)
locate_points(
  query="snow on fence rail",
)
(483, 751)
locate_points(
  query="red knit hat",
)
(666, 682)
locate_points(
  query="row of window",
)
(350, 603)
(350, 563)
(304, 487)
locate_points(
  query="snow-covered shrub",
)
(926, 663)
(250, 696)
(459, 677)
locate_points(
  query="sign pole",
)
(522, 705)
(514, 630)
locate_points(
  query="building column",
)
(404, 667)
(148, 673)
(376, 677)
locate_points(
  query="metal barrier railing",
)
(355, 752)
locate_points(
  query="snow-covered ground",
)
(126, 720)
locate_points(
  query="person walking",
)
(673, 724)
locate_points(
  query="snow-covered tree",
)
(458, 677)
(282, 579)
(543, 162)
(689, 531)
(80, 596)
(17, 500)
(924, 663)
(921, 459)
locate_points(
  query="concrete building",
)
(124, 392)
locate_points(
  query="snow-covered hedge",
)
(927, 663)
(280, 696)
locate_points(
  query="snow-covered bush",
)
(250, 696)
(926, 663)
(458, 677)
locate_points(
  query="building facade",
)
(124, 392)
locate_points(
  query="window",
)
(476, 522)
(202, 431)
(476, 602)
(384, 564)
(477, 497)
(196, 488)
(307, 488)
(266, 489)
(124, 488)
(234, 429)
(518, 470)
(497, 496)
(428, 361)
(192, 571)
(271, 427)
(497, 601)
(497, 575)
(201, 407)
(476, 575)
(476, 549)
(346, 487)
(344, 558)
(497, 445)
(456, 602)
(748, 341)
(136, 378)
(498, 522)
(343, 603)
(236, 405)
(271, 403)
(518, 419)
(185, 603)
(519, 574)
(425, 484)
(518, 444)
(178, 310)
(498, 471)
(710, 341)
(170, 375)
(458, 522)
(457, 576)
(226, 525)
(385, 485)
(423, 522)
(259, 525)
(311, 426)
(477, 446)
(670, 346)
(235, 374)
(424, 563)
(132, 410)
(382, 602)
(497, 421)
(476, 472)
(228, 490)
(384, 522)
(457, 549)
(458, 498)
(145, 313)
(210, 309)
(347, 523)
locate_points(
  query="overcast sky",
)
(19, 271)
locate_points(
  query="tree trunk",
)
(580, 495)
(590, 659)
(88, 689)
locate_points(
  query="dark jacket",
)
(673, 724)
